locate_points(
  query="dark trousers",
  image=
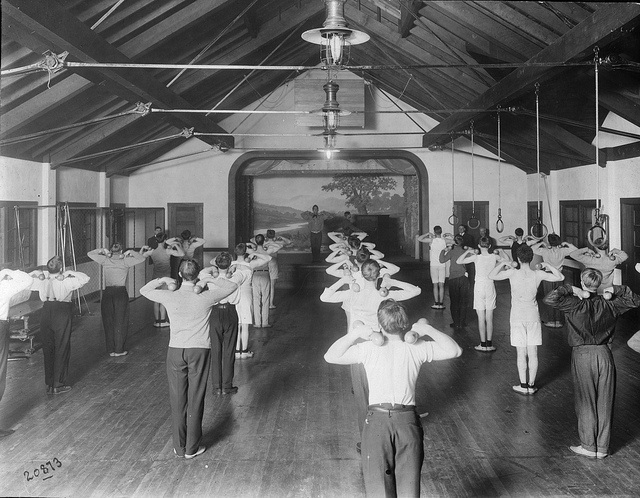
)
(224, 334)
(594, 383)
(115, 317)
(360, 386)
(392, 454)
(55, 334)
(316, 241)
(4, 354)
(460, 296)
(548, 313)
(187, 372)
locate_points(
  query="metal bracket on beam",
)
(53, 62)
(142, 108)
(187, 132)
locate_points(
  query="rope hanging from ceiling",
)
(453, 219)
(499, 222)
(473, 222)
(538, 230)
(597, 235)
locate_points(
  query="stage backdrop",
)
(278, 203)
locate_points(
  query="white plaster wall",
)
(192, 178)
(120, 190)
(20, 180)
(78, 185)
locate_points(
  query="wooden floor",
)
(290, 430)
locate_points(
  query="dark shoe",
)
(61, 389)
(200, 451)
(230, 390)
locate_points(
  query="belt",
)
(223, 306)
(259, 270)
(388, 407)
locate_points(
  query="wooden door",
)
(630, 237)
(464, 212)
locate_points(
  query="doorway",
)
(187, 216)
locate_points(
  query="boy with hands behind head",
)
(392, 450)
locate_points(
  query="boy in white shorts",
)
(526, 331)
(484, 290)
(438, 270)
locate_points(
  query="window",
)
(576, 218)
(82, 224)
(18, 246)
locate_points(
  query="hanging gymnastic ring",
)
(453, 219)
(592, 231)
(543, 228)
(499, 223)
(473, 222)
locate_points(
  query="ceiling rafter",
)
(604, 25)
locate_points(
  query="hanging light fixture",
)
(331, 111)
(334, 35)
(329, 145)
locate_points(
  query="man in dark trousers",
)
(189, 353)
(316, 226)
(591, 322)
(56, 290)
(224, 327)
(114, 305)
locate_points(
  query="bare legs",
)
(160, 315)
(485, 329)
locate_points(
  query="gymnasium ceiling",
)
(450, 61)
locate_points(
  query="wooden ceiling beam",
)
(65, 32)
(408, 13)
(568, 140)
(605, 25)
(621, 152)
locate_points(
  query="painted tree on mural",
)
(360, 190)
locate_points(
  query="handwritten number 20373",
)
(43, 469)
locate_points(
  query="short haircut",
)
(437, 229)
(259, 239)
(161, 237)
(591, 278)
(519, 232)
(241, 249)
(186, 234)
(116, 247)
(554, 239)
(393, 318)
(464, 227)
(223, 260)
(189, 270)
(347, 213)
(485, 242)
(354, 242)
(271, 234)
(314, 206)
(524, 253)
(601, 243)
(157, 228)
(363, 255)
(370, 270)
(458, 239)
(54, 265)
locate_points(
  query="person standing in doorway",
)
(316, 221)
